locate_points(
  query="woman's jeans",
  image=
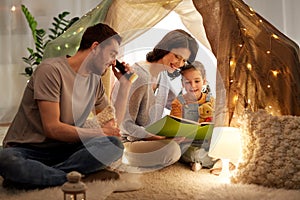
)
(43, 167)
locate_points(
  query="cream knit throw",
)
(107, 114)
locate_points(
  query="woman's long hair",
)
(174, 39)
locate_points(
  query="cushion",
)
(271, 151)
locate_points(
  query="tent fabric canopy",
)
(130, 18)
(258, 67)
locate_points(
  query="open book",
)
(171, 126)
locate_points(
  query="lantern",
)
(74, 189)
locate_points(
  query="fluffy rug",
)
(97, 190)
(174, 182)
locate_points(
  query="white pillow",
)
(271, 151)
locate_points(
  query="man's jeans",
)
(43, 167)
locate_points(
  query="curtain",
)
(15, 37)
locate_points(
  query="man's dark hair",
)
(100, 33)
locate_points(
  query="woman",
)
(144, 149)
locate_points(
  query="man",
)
(46, 140)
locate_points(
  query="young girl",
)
(187, 106)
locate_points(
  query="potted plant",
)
(41, 38)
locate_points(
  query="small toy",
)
(205, 112)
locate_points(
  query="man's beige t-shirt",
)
(55, 81)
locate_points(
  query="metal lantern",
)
(74, 189)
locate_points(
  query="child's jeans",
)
(196, 152)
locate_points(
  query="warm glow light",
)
(232, 63)
(268, 52)
(275, 72)
(13, 8)
(249, 66)
(240, 45)
(275, 36)
(268, 86)
(235, 98)
(226, 145)
(260, 21)
(225, 172)
(80, 29)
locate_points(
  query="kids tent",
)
(257, 66)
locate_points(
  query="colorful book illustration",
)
(171, 126)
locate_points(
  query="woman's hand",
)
(155, 137)
(180, 139)
(158, 137)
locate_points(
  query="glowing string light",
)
(275, 72)
(235, 99)
(274, 36)
(13, 8)
(249, 66)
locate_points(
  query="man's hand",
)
(111, 122)
(118, 74)
(110, 128)
(121, 92)
(113, 131)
